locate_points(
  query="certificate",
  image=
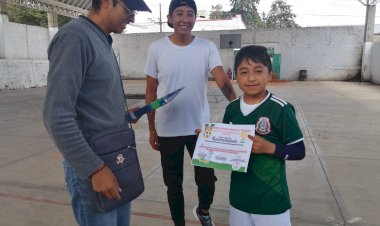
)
(224, 146)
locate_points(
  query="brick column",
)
(370, 23)
(366, 72)
(3, 27)
(52, 23)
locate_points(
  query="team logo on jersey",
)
(208, 130)
(263, 126)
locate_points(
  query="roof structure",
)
(70, 8)
(74, 8)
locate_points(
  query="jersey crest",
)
(263, 126)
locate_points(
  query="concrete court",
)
(338, 183)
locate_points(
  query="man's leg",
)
(85, 214)
(171, 149)
(124, 215)
(204, 178)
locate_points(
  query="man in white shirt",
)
(183, 59)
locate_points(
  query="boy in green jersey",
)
(260, 197)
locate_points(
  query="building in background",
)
(202, 24)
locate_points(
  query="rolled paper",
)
(132, 115)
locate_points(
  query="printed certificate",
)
(224, 146)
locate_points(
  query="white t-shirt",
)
(176, 66)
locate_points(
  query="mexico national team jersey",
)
(263, 189)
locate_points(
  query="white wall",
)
(25, 64)
(27, 42)
(327, 53)
(133, 49)
(18, 74)
(375, 66)
(367, 61)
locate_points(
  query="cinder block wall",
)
(375, 66)
(327, 53)
(26, 63)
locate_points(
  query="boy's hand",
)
(262, 146)
(198, 131)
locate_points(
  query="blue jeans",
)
(84, 213)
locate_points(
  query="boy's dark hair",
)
(257, 54)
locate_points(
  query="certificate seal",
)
(236, 166)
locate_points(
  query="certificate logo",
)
(236, 166)
(203, 157)
(243, 136)
(208, 131)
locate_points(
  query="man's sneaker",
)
(204, 219)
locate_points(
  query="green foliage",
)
(62, 20)
(280, 16)
(217, 13)
(248, 10)
(24, 15)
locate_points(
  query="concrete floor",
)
(338, 183)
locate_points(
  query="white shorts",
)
(240, 218)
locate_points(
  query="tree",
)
(62, 20)
(280, 16)
(24, 15)
(369, 2)
(217, 13)
(248, 11)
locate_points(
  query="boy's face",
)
(252, 79)
(183, 20)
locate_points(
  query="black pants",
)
(172, 151)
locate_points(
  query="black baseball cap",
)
(178, 3)
(138, 5)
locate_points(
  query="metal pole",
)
(160, 19)
(366, 22)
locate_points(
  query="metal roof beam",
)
(54, 6)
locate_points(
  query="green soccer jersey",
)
(263, 189)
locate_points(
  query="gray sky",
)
(309, 12)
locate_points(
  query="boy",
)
(260, 197)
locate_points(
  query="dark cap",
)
(178, 3)
(138, 5)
